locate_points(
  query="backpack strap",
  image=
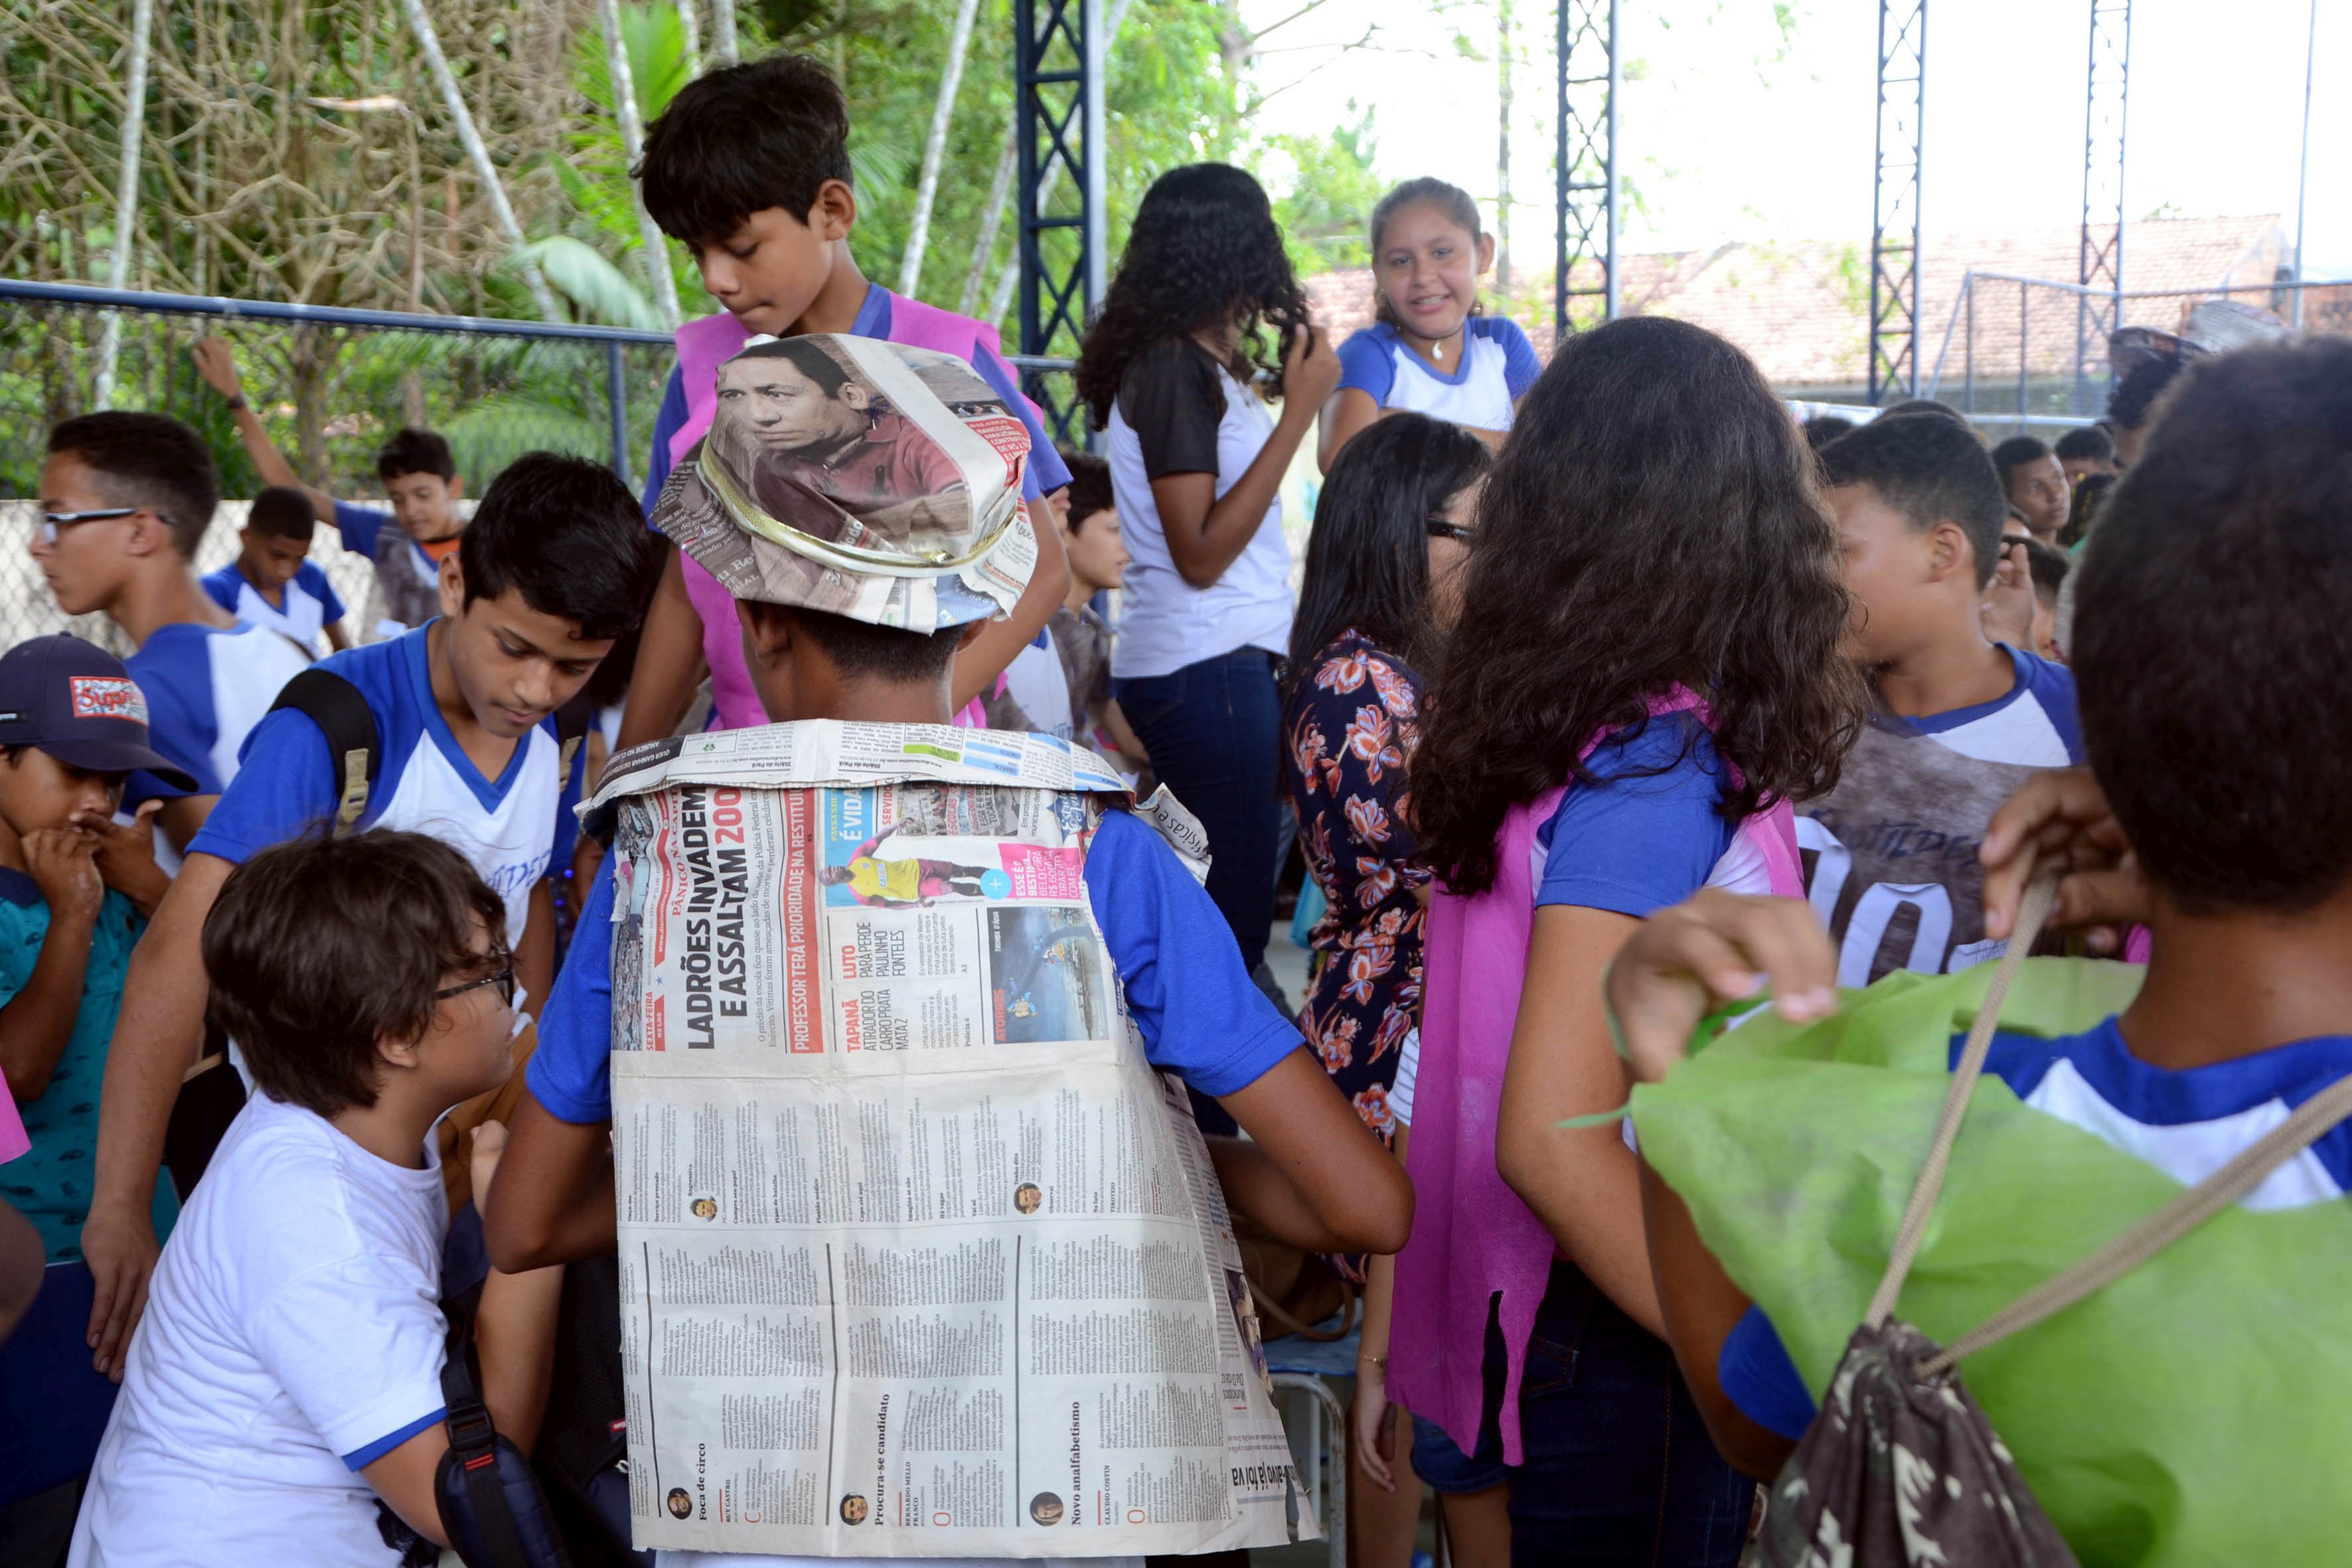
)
(572, 722)
(343, 715)
(2031, 912)
(2311, 1120)
(474, 1451)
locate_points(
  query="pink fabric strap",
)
(13, 1140)
(1476, 1240)
(702, 347)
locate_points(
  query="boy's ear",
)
(453, 586)
(151, 535)
(455, 485)
(767, 628)
(398, 1054)
(1949, 552)
(835, 212)
(970, 633)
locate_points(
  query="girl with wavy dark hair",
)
(1648, 668)
(1195, 462)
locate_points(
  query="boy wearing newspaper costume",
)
(905, 1162)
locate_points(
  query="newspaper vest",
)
(919, 1256)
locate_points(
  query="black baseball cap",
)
(74, 700)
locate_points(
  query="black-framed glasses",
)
(1438, 528)
(53, 524)
(504, 979)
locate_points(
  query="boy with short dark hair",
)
(2211, 609)
(273, 582)
(420, 478)
(2035, 483)
(1961, 720)
(1313, 1173)
(76, 889)
(553, 569)
(125, 500)
(285, 1388)
(749, 168)
(2085, 451)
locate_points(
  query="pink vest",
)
(13, 1140)
(702, 347)
(1472, 1236)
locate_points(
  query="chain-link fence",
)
(2035, 347)
(329, 386)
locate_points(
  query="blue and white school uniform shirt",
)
(1651, 832)
(206, 687)
(2187, 1123)
(310, 604)
(505, 826)
(1891, 853)
(1497, 365)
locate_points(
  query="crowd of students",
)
(1610, 694)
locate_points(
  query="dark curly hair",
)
(1652, 519)
(2209, 634)
(1203, 248)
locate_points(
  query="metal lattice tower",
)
(2105, 95)
(1057, 80)
(1586, 173)
(1894, 203)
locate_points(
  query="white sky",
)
(1725, 142)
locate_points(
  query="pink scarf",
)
(1474, 1236)
(702, 347)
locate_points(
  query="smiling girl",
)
(1429, 350)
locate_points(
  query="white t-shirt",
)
(293, 1335)
(1166, 421)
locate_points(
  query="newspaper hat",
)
(858, 476)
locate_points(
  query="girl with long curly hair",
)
(1195, 462)
(1647, 668)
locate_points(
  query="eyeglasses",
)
(53, 524)
(1438, 528)
(504, 979)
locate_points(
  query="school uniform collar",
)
(490, 794)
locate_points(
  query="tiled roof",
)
(1801, 309)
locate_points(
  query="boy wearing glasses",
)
(285, 1394)
(125, 501)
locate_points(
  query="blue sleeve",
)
(2052, 686)
(1520, 367)
(1757, 1376)
(571, 1071)
(285, 782)
(315, 581)
(221, 586)
(1637, 844)
(1047, 472)
(360, 525)
(175, 675)
(1365, 365)
(1201, 1015)
(668, 420)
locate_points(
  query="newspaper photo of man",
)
(853, 1509)
(681, 1506)
(817, 427)
(1047, 1508)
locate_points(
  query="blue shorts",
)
(1440, 1461)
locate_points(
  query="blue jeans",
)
(1213, 730)
(1619, 1467)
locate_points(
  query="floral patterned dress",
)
(1351, 727)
